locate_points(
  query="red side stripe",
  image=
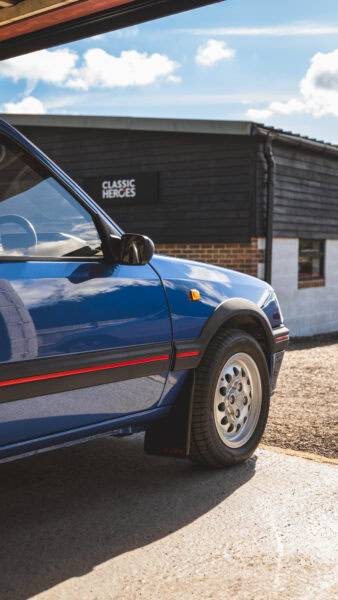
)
(183, 354)
(283, 337)
(80, 371)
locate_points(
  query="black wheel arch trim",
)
(188, 353)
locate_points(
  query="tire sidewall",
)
(242, 343)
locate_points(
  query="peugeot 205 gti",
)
(99, 336)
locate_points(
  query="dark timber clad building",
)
(236, 194)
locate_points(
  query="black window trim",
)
(315, 254)
(95, 214)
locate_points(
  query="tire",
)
(231, 400)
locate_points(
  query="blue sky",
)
(272, 62)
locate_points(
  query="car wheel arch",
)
(238, 313)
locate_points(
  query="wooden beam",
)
(24, 18)
(7, 3)
(17, 10)
(81, 19)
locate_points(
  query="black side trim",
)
(188, 347)
(225, 311)
(39, 367)
(280, 338)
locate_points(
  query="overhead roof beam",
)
(124, 13)
(7, 3)
(38, 14)
(18, 10)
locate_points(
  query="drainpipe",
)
(270, 193)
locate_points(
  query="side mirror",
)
(135, 249)
(129, 249)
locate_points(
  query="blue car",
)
(99, 336)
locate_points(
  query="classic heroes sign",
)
(119, 188)
(141, 188)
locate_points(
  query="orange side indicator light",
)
(195, 295)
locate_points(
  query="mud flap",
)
(171, 437)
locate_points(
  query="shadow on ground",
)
(65, 512)
(313, 341)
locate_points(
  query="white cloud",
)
(50, 66)
(277, 31)
(213, 51)
(128, 33)
(174, 78)
(318, 91)
(319, 87)
(100, 69)
(257, 114)
(29, 106)
(70, 101)
(288, 108)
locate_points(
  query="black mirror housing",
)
(135, 249)
(129, 249)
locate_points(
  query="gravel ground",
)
(303, 413)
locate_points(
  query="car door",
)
(83, 341)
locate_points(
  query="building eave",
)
(198, 126)
(132, 124)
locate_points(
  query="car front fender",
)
(190, 352)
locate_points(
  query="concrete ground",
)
(102, 521)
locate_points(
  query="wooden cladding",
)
(211, 188)
(205, 182)
(306, 193)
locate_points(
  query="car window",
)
(38, 216)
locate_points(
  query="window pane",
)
(38, 217)
(310, 245)
(311, 259)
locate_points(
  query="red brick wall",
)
(240, 257)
